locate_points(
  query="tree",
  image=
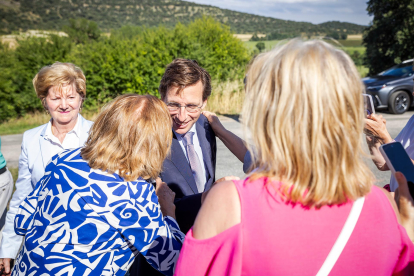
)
(357, 58)
(81, 30)
(389, 38)
(260, 46)
(344, 36)
(333, 35)
(255, 37)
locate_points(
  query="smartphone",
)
(398, 161)
(368, 105)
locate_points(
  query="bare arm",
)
(377, 134)
(377, 158)
(165, 198)
(233, 142)
(220, 211)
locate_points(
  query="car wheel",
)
(399, 102)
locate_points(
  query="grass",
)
(269, 44)
(348, 46)
(227, 97)
(19, 125)
(353, 45)
(29, 121)
(363, 71)
(15, 173)
(346, 43)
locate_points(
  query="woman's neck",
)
(60, 130)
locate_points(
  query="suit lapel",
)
(205, 147)
(84, 131)
(180, 161)
(43, 146)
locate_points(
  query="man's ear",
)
(204, 104)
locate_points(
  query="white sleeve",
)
(11, 242)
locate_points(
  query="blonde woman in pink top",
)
(309, 207)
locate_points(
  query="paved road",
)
(10, 148)
(227, 163)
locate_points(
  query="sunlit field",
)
(349, 46)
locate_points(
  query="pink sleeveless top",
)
(275, 238)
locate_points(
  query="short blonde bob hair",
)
(131, 136)
(59, 74)
(304, 111)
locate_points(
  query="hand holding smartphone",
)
(368, 105)
(398, 161)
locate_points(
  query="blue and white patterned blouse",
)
(81, 221)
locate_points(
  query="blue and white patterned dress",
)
(81, 221)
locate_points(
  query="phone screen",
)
(399, 161)
(368, 105)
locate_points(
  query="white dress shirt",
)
(197, 149)
(71, 141)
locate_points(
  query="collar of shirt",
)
(49, 134)
(197, 148)
(180, 136)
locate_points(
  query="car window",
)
(401, 70)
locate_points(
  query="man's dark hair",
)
(184, 72)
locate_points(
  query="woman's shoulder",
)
(85, 123)
(71, 158)
(35, 132)
(31, 138)
(220, 211)
(380, 203)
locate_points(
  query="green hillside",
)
(21, 15)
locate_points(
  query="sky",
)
(314, 11)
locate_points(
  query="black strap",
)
(3, 170)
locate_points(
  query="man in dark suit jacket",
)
(190, 168)
(185, 88)
(178, 175)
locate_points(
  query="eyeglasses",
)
(191, 108)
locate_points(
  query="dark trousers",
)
(141, 267)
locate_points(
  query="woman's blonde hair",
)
(131, 136)
(304, 111)
(59, 74)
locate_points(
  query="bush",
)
(255, 37)
(260, 46)
(333, 35)
(279, 36)
(357, 57)
(132, 60)
(18, 67)
(81, 30)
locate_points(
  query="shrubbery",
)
(18, 67)
(131, 60)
